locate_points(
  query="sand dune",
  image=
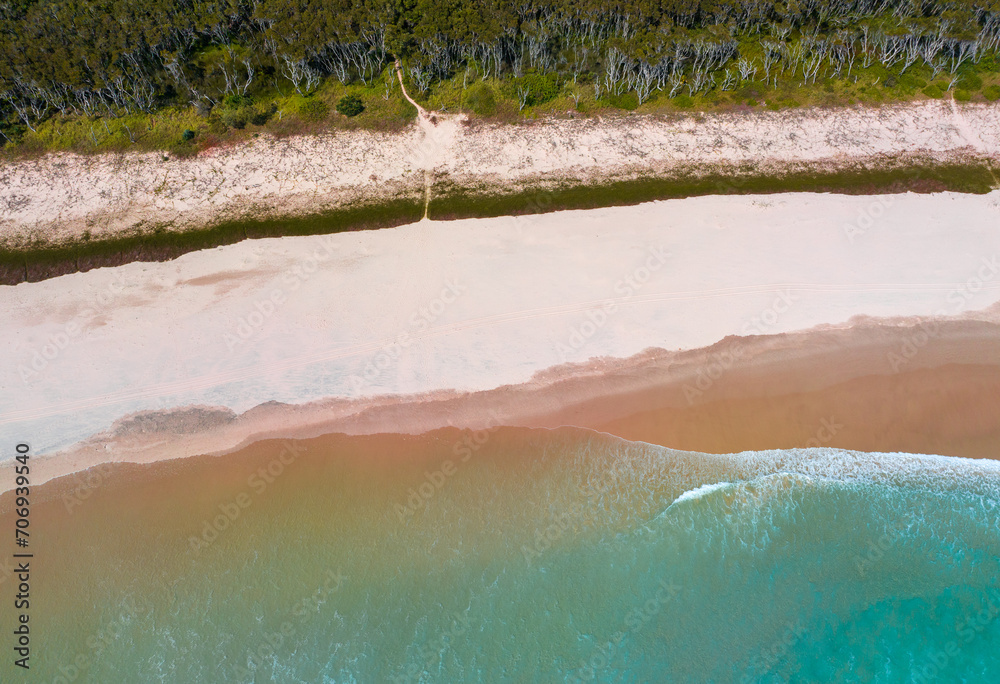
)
(59, 196)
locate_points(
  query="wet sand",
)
(873, 385)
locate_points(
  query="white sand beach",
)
(473, 305)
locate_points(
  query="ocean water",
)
(519, 555)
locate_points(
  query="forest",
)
(228, 60)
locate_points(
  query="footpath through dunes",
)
(900, 385)
(569, 548)
(62, 213)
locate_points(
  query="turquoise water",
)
(555, 556)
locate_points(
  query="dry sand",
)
(60, 196)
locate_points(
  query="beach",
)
(682, 440)
(715, 324)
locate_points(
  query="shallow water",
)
(519, 555)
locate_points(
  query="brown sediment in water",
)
(872, 385)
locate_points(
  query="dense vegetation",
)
(237, 63)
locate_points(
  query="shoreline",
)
(288, 321)
(108, 206)
(833, 386)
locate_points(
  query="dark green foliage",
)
(234, 118)
(350, 105)
(962, 95)
(538, 87)
(627, 100)
(970, 81)
(188, 135)
(108, 58)
(313, 109)
(481, 100)
(684, 101)
(992, 93)
(933, 91)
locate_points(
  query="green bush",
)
(350, 105)
(234, 118)
(628, 101)
(481, 100)
(933, 91)
(970, 81)
(312, 109)
(541, 88)
(188, 134)
(236, 101)
(992, 93)
(683, 101)
(962, 95)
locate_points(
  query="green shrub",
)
(933, 91)
(970, 81)
(481, 100)
(962, 95)
(312, 109)
(350, 105)
(683, 101)
(541, 88)
(234, 118)
(627, 101)
(992, 93)
(188, 134)
(236, 101)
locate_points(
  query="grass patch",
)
(162, 245)
(452, 203)
(449, 202)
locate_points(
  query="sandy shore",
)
(925, 385)
(59, 197)
(475, 304)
